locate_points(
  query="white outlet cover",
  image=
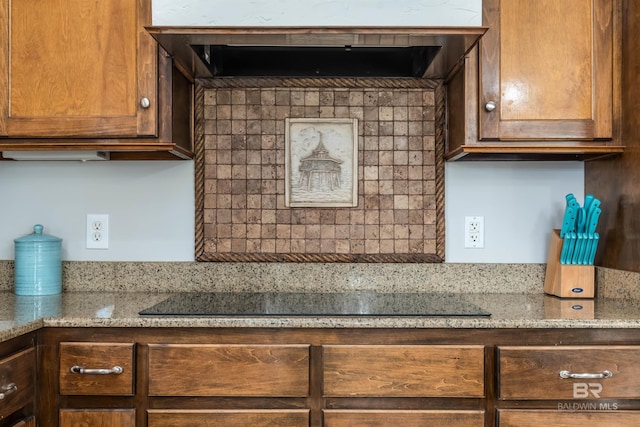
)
(474, 232)
(97, 229)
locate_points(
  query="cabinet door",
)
(403, 370)
(97, 417)
(536, 418)
(546, 68)
(17, 381)
(228, 370)
(29, 422)
(228, 418)
(77, 68)
(406, 418)
(96, 368)
(569, 372)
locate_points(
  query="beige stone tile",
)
(268, 97)
(372, 246)
(223, 112)
(312, 231)
(268, 246)
(343, 246)
(283, 246)
(283, 97)
(312, 98)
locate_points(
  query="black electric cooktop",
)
(315, 304)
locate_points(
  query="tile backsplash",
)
(400, 172)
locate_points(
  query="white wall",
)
(150, 207)
(317, 12)
(521, 203)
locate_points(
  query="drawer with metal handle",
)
(96, 368)
(541, 417)
(17, 381)
(569, 372)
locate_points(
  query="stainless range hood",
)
(427, 52)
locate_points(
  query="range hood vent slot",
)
(427, 52)
(316, 61)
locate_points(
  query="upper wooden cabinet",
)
(544, 81)
(79, 69)
(83, 75)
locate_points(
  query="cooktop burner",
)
(314, 304)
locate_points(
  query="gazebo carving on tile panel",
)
(320, 163)
(321, 168)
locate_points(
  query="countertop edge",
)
(19, 316)
(341, 322)
(19, 330)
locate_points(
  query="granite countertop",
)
(19, 315)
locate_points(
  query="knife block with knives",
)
(570, 272)
(567, 280)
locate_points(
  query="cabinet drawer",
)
(97, 417)
(96, 368)
(28, 422)
(537, 418)
(403, 371)
(535, 372)
(228, 418)
(404, 418)
(228, 370)
(17, 381)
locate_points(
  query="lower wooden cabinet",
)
(538, 418)
(97, 418)
(403, 371)
(28, 422)
(334, 377)
(17, 382)
(228, 370)
(229, 418)
(552, 372)
(96, 368)
(588, 385)
(406, 418)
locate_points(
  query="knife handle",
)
(594, 248)
(593, 220)
(576, 250)
(565, 250)
(570, 239)
(568, 221)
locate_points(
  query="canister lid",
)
(37, 236)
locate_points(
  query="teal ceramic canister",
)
(38, 263)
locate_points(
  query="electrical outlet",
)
(97, 231)
(474, 232)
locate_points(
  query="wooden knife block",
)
(567, 280)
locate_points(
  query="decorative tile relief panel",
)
(242, 213)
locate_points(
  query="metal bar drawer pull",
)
(585, 376)
(116, 370)
(7, 390)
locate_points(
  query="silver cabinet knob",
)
(145, 103)
(490, 106)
